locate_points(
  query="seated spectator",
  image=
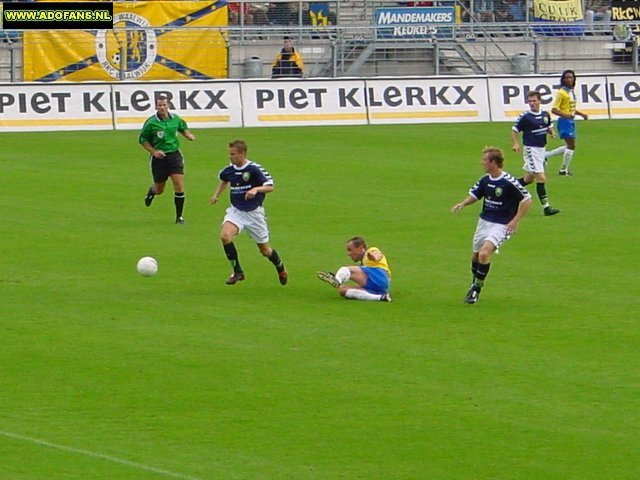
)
(288, 63)
(280, 14)
(253, 13)
(597, 10)
(239, 13)
(484, 10)
(517, 11)
(510, 11)
(463, 12)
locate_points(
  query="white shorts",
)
(496, 233)
(534, 160)
(254, 222)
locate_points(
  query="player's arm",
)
(467, 201)
(183, 128)
(149, 148)
(515, 142)
(583, 115)
(375, 255)
(560, 113)
(523, 208)
(556, 109)
(267, 188)
(221, 188)
(146, 135)
(188, 135)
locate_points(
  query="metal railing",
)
(333, 51)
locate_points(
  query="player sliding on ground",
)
(371, 279)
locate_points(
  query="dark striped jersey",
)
(534, 127)
(241, 180)
(501, 197)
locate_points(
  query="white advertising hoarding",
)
(508, 95)
(59, 106)
(427, 100)
(217, 104)
(316, 102)
(200, 104)
(624, 96)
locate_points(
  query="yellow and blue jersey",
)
(565, 101)
(381, 263)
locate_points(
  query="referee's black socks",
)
(178, 200)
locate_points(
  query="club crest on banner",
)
(139, 46)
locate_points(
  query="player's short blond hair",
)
(239, 145)
(495, 155)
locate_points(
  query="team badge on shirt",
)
(160, 133)
(498, 191)
(246, 176)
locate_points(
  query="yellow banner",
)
(153, 40)
(557, 10)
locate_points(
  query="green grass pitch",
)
(109, 375)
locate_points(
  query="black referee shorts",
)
(163, 168)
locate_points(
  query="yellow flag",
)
(557, 10)
(154, 40)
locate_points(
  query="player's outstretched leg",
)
(361, 294)
(329, 278)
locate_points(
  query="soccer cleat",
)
(235, 278)
(149, 198)
(179, 221)
(385, 298)
(330, 278)
(548, 211)
(472, 295)
(283, 276)
(565, 173)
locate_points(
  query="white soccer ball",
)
(147, 266)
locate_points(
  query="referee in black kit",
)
(159, 136)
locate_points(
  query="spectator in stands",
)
(416, 4)
(240, 13)
(501, 11)
(463, 11)
(252, 13)
(597, 10)
(510, 11)
(288, 63)
(280, 14)
(484, 10)
(517, 10)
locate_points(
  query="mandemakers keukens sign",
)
(417, 22)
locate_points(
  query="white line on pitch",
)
(89, 453)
